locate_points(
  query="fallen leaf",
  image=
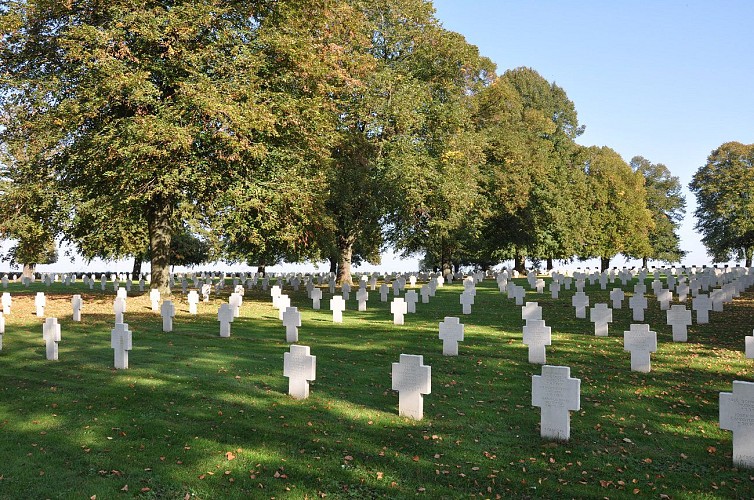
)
(125, 488)
(379, 475)
(416, 458)
(229, 455)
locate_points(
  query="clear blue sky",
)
(667, 80)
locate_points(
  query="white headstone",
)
(51, 336)
(679, 318)
(6, 302)
(531, 310)
(121, 341)
(640, 341)
(225, 316)
(167, 310)
(411, 298)
(193, 301)
(537, 335)
(39, 302)
(384, 289)
(300, 367)
(291, 321)
(616, 296)
(451, 332)
(466, 300)
(702, 304)
(316, 296)
(748, 346)
(664, 297)
(398, 308)
(337, 306)
(556, 393)
(580, 301)
(362, 296)
(637, 303)
(77, 304)
(284, 302)
(154, 298)
(412, 379)
(737, 415)
(601, 316)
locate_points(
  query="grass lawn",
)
(199, 416)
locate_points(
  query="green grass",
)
(208, 417)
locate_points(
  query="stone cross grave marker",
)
(193, 301)
(225, 316)
(384, 289)
(373, 283)
(396, 288)
(167, 311)
(412, 379)
(531, 310)
(679, 318)
(398, 308)
(346, 289)
(284, 301)
(119, 307)
(451, 332)
(637, 303)
(236, 301)
(640, 341)
(154, 298)
(300, 367)
(6, 300)
(362, 296)
(537, 335)
(2, 329)
(316, 297)
(77, 304)
(556, 393)
(683, 292)
(466, 300)
(518, 293)
(737, 415)
(291, 321)
(206, 290)
(121, 340)
(554, 289)
(748, 346)
(275, 293)
(337, 306)
(425, 293)
(616, 296)
(539, 285)
(580, 301)
(411, 299)
(331, 285)
(664, 297)
(51, 336)
(601, 316)
(702, 304)
(39, 302)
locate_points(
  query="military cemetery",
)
(335, 250)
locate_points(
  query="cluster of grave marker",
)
(554, 391)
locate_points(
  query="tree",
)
(724, 190)
(156, 107)
(619, 220)
(667, 204)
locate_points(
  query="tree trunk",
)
(645, 262)
(549, 264)
(604, 263)
(749, 253)
(446, 267)
(519, 262)
(28, 271)
(345, 252)
(333, 264)
(159, 214)
(136, 271)
(261, 270)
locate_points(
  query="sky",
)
(667, 80)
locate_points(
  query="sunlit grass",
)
(201, 415)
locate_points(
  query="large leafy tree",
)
(667, 204)
(618, 218)
(150, 109)
(724, 190)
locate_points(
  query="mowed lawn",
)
(199, 416)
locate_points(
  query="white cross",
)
(531, 310)
(384, 289)
(154, 298)
(411, 298)
(640, 341)
(119, 307)
(679, 318)
(451, 332)
(412, 379)
(601, 315)
(425, 293)
(6, 301)
(637, 304)
(121, 341)
(283, 303)
(193, 301)
(167, 310)
(77, 304)
(291, 321)
(702, 304)
(737, 415)
(40, 302)
(316, 296)
(225, 316)
(556, 393)
(300, 367)
(51, 336)
(398, 308)
(537, 335)
(554, 289)
(337, 306)
(617, 295)
(580, 301)
(466, 301)
(664, 297)
(235, 300)
(362, 296)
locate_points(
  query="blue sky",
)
(667, 80)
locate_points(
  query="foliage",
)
(667, 205)
(724, 189)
